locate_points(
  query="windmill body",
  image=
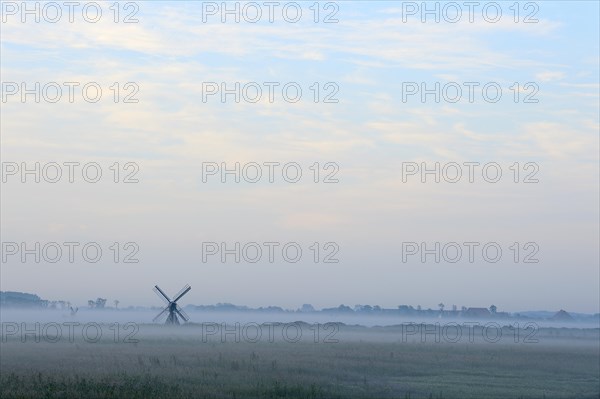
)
(172, 310)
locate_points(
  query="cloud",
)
(549, 76)
(558, 141)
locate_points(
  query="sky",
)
(370, 213)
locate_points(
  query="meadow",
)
(171, 362)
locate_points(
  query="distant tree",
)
(100, 302)
(343, 308)
(441, 306)
(91, 304)
(493, 309)
(405, 309)
(116, 303)
(463, 308)
(307, 308)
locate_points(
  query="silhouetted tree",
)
(100, 302)
(307, 308)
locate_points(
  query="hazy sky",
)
(369, 57)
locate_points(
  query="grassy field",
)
(365, 363)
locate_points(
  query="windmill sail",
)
(172, 309)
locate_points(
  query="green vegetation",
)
(364, 364)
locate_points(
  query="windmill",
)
(172, 309)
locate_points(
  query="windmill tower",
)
(172, 309)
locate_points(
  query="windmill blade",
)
(182, 314)
(161, 294)
(165, 310)
(181, 293)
